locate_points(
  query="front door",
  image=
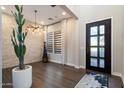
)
(98, 46)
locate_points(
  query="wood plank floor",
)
(52, 75)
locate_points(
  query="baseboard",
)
(123, 83)
(77, 67)
(117, 74)
(55, 61)
(70, 64)
(83, 67)
(123, 80)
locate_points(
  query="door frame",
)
(0, 48)
(107, 20)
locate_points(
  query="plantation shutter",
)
(57, 42)
(50, 42)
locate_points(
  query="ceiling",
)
(45, 12)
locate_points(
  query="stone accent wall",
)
(34, 44)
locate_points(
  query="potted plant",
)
(22, 74)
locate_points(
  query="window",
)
(54, 42)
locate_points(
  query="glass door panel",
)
(94, 41)
(101, 63)
(101, 39)
(102, 29)
(94, 30)
(101, 52)
(93, 52)
(93, 62)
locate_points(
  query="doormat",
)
(93, 80)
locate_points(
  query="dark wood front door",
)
(98, 46)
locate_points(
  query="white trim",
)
(70, 64)
(0, 49)
(78, 67)
(122, 80)
(83, 67)
(112, 47)
(117, 74)
(55, 61)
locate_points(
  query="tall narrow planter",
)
(22, 78)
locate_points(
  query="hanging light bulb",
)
(29, 29)
(38, 29)
(35, 28)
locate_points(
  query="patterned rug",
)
(93, 80)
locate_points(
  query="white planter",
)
(22, 78)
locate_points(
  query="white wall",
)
(75, 9)
(95, 13)
(123, 43)
(69, 42)
(34, 44)
(0, 51)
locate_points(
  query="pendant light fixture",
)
(35, 27)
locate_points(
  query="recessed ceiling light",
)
(50, 18)
(56, 16)
(3, 8)
(63, 13)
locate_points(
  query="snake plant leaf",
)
(24, 35)
(19, 36)
(20, 18)
(17, 51)
(23, 21)
(23, 50)
(21, 8)
(17, 18)
(14, 36)
(20, 29)
(13, 32)
(16, 31)
(17, 8)
(13, 41)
